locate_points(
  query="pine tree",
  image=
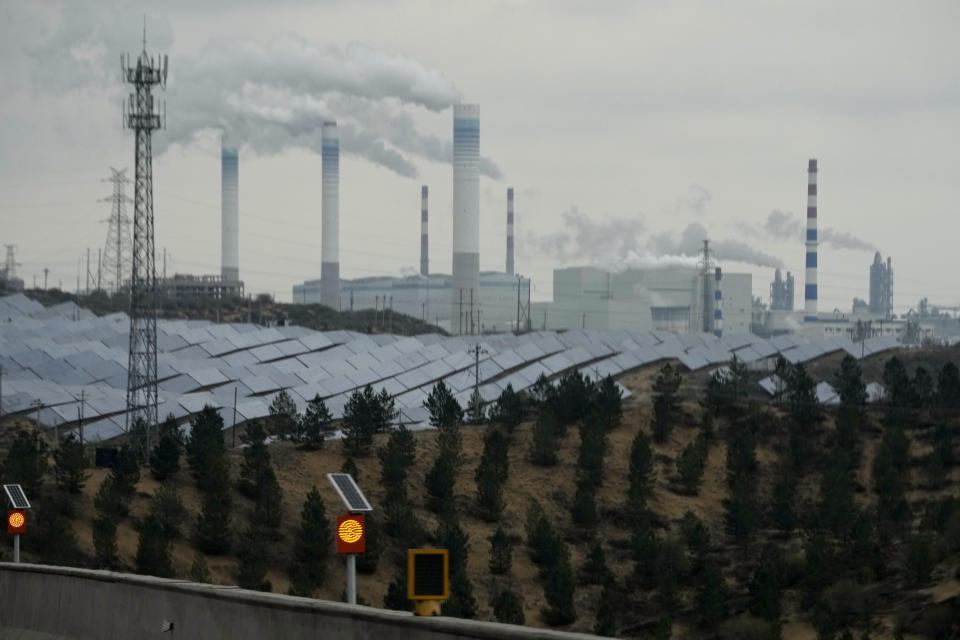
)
(283, 413)
(268, 510)
(365, 414)
(350, 466)
(508, 409)
(584, 508)
(367, 562)
(573, 400)
(489, 493)
(784, 495)
(444, 409)
(199, 571)
(105, 541)
(671, 565)
(595, 569)
(256, 460)
(311, 549)
(836, 494)
(559, 588)
(55, 537)
(691, 465)
(543, 448)
(213, 525)
(165, 457)
(26, 462)
(440, 485)
(766, 586)
(205, 449)
(609, 408)
(316, 425)
(711, 598)
(508, 608)
(168, 510)
(641, 472)
(70, 465)
(501, 552)
(948, 386)
(475, 410)
(461, 603)
(153, 550)
(593, 446)
(254, 559)
(923, 390)
(606, 621)
(396, 597)
(124, 477)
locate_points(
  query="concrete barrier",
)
(39, 602)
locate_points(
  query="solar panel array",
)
(54, 357)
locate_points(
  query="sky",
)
(630, 131)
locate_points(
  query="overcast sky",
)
(628, 129)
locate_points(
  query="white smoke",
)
(589, 240)
(786, 226)
(690, 243)
(268, 95)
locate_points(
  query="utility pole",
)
(88, 271)
(461, 313)
(471, 311)
(234, 417)
(46, 272)
(142, 115)
(99, 267)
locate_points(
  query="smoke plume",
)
(786, 226)
(697, 200)
(690, 243)
(589, 240)
(268, 96)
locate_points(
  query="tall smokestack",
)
(465, 292)
(330, 217)
(424, 244)
(810, 289)
(510, 231)
(229, 216)
(717, 306)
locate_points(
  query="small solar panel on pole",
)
(356, 503)
(16, 519)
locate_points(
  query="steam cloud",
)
(616, 244)
(269, 96)
(786, 226)
(697, 201)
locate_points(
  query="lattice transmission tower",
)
(143, 115)
(117, 251)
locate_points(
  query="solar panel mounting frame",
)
(16, 496)
(346, 487)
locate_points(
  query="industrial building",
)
(184, 285)
(666, 299)
(781, 292)
(881, 287)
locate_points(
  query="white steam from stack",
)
(229, 212)
(330, 217)
(510, 265)
(465, 292)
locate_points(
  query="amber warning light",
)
(16, 521)
(351, 534)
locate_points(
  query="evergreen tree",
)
(766, 586)
(213, 525)
(475, 411)
(124, 477)
(697, 538)
(396, 597)
(542, 393)
(923, 389)
(165, 457)
(268, 509)
(311, 549)
(584, 508)
(543, 448)
(26, 462)
(784, 496)
(367, 561)
(573, 400)
(365, 414)
(55, 537)
(461, 603)
(256, 460)
(891, 503)
(205, 449)
(153, 550)
(489, 493)
(501, 552)
(836, 494)
(691, 465)
(853, 396)
(254, 559)
(609, 408)
(350, 466)
(283, 414)
(819, 568)
(544, 544)
(646, 550)
(70, 465)
(671, 565)
(199, 571)
(508, 409)
(439, 483)
(595, 569)
(641, 473)
(948, 386)
(508, 608)
(711, 598)
(665, 402)
(559, 588)
(168, 510)
(899, 387)
(316, 425)
(105, 541)
(606, 622)
(920, 560)
(444, 409)
(593, 446)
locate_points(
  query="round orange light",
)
(16, 520)
(350, 531)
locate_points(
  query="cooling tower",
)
(229, 216)
(810, 287)
(330, 217)
(424, 244)
(465, 292)
(510, 266)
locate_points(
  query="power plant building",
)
(781, 292)
(881, 287)
(666, 299)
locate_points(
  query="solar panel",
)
(17, 497)
(349, 492)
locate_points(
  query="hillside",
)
(259, 310)
(871, 602)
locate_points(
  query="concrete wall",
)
(54, 603)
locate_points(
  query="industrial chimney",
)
(465, 289)
(424, 245)
(510, 231)
(717, 306)
(810, 288)
(330, 217)
(229, 216)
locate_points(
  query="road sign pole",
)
(16, 548)
(351, 575)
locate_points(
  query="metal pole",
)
(351, 577)
(234, 417)
(16, 548)
(1, 390)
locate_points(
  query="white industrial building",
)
(667, 299)
(428, 298)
